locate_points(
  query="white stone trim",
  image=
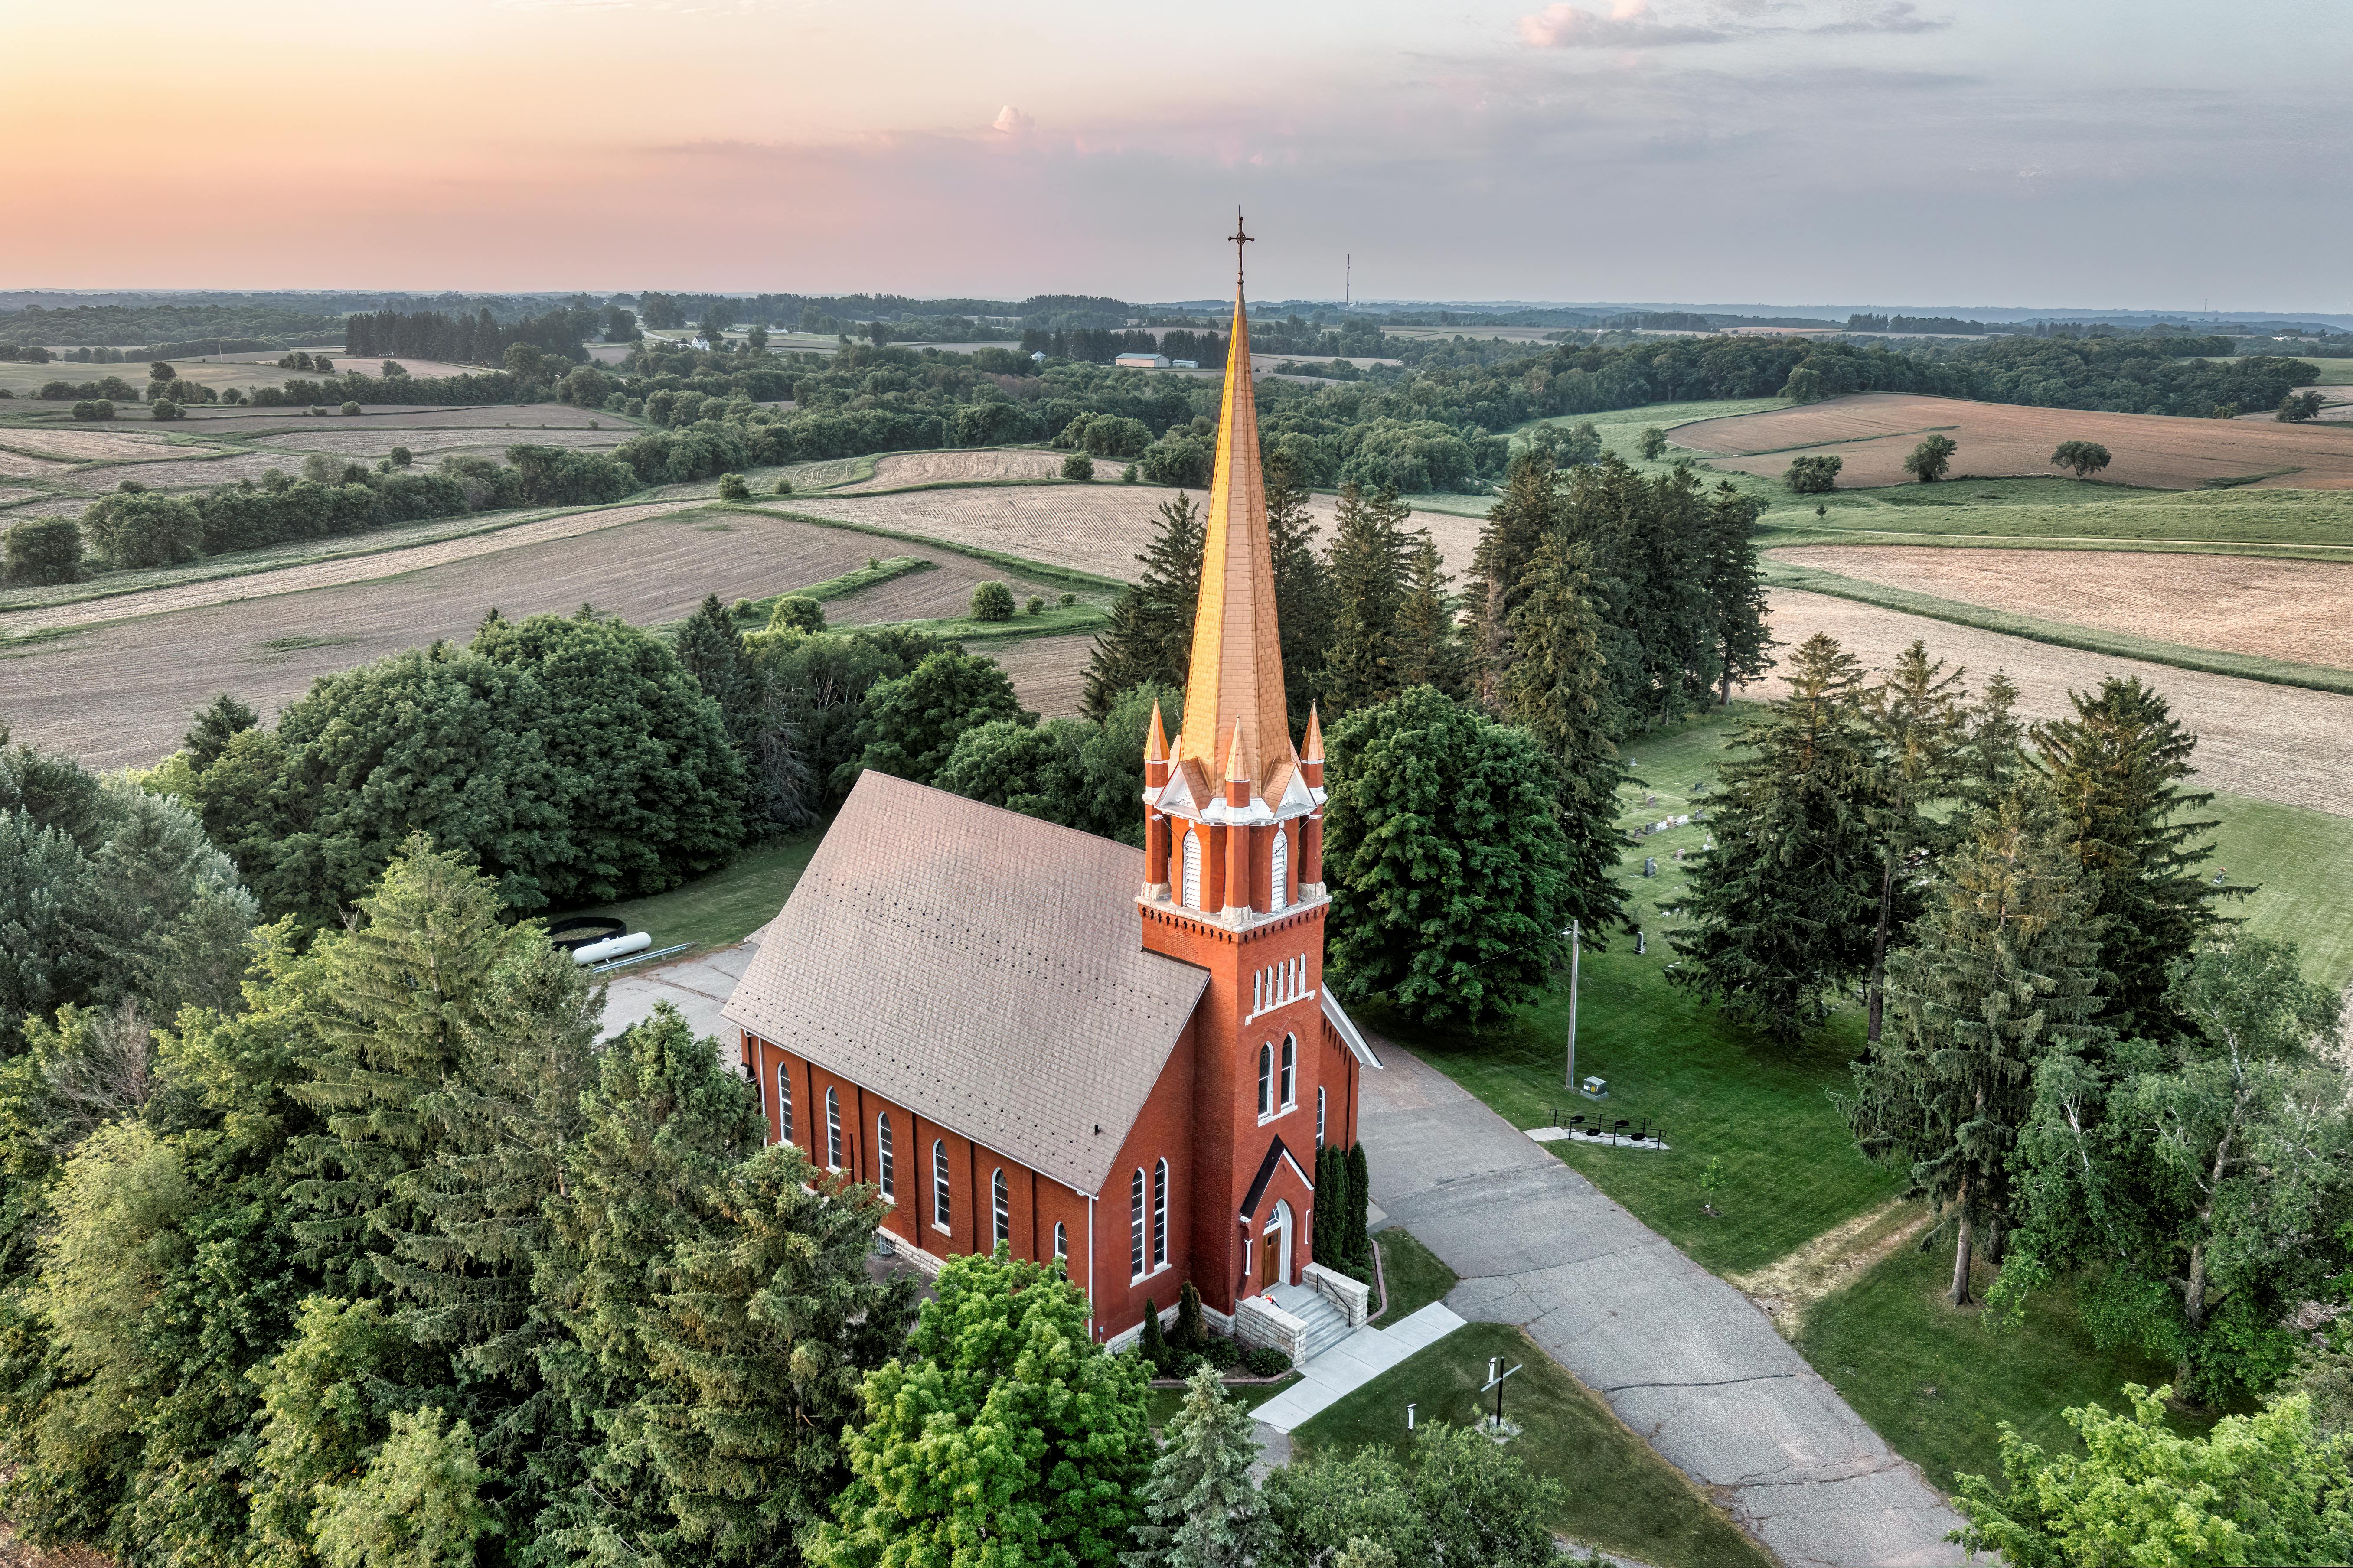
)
(1258, 1321)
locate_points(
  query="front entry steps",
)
(1347, 1364)
(1326, 1324)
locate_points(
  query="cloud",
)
(1900, 17)
(1628, 25)
(1012, 122)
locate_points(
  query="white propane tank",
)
(612, 947)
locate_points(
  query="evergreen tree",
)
(1915, 723)
(1733, 582)
(1523, 517)
(1003, 1422)
(1150, 637)
(1447, 863)
(1429, 643)
(216, 725)
(1661, 561)
(1331, 1241)
(1783, 905)
(1992, 759)
(1360, 1200)
(1200, 1509)
(1303, 590)
(2117, 769)
(1554, 690)
(1369, 556)
(2002, 968)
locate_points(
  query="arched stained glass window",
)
(1160, 1214)
(1061, 1240)
(1278, 895)
(832, 1130)
(1319, 1116)
(1136, 1240)
(1190, 894)
(1266, 1081)
(940, 1183)
(1289, 1070)
(1001, 1200)
(889, 1173)
(785, 1101)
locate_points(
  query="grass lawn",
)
(1622, 1497)
(1414, 1274)
(722, 909)
(2063, 513)
(2301, 862)
(1935, 1382)
(1161, 1404)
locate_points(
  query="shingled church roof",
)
(973, 965)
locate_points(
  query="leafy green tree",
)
(796, 613)
(1783, 905)
(1201, 1507)
(1813, 476)
(1450, 871)
(44, 549)
(2084, 458)
(814, 690)
(732, 488)
(913, 723)
(2115, 768)
(418, 1506)
(991, 601)
(162, 371)
(2296, 407)
(1150, 637)
(1303, 589)
(328, 1400)
(2002, 970)
(1429, 643)
(1915, 723)
(1650, 443)
(1077, 466)
(1003, 1422)
(1928, 461)
(1462, 1499)
(1369, 567)
(2257, 1489)
(1554, 690)
(1034, 769)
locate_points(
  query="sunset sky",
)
(2078, 152)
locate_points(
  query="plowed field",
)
(2275, 742)
(2301, 611)
(250, 421)
(18, 466)
(1874, 432)
(946, 467)
(82, 445)
(378, 443)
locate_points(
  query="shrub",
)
(1652, 442)
(402, 456)
(1813, 476)
(1149, 1344)
(166, 409)
(1127, 475)
(45, 550)
(784, 486)
(96, 408)
(350, 409)
(1036, 605)
(1265, 1361)
(992, 601)
(732, 488)
(796, 613)
(1189, 1332)
(1077, 466)
(1067, 600)
(1220, 1352)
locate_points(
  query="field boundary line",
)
(2059, 634)
(1038, 569)
(1822, 533)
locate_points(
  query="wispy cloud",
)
(1626, 25)
(1631, 24)
(1900, 17)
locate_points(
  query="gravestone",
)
(1650, 865)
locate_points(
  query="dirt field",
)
(1874, 431)
(935, 468)
(2301, 611)
(377, 443)
(121, 693)
(17, 465)
(1049, 673)
(2275, 742)
(187, 473)
(83, 445)
(248, 421)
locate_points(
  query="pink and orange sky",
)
(2089, 152)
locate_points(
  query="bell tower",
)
(1234, 881)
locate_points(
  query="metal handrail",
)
(613, 964)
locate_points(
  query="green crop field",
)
(2058, 514)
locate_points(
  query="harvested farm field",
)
(900, 468)
(87, 446)
(2275, 742)
(18, 466)
(181, 471)
(121, 692)
(378, 443)
(246, 420)
(2300, 611)
(1873, 432)
(1048, 674)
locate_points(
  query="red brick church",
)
(983, 1015)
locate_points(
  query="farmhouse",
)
(1032, 1038)
(1142, 362)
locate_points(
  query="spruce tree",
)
(1150, 637)
(1368, 554)
(1201, 1507)
(217, 724)
(1992, 757)
(1916, 731)
(1554, 690)
(1665, 604)
(1783, 905)
(2117, 769)
(1525, 515)
(1303, 589)
(1733, 582)
(1429, 643)
(2003, 967)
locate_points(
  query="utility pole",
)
(1348, 281)
(1573, 952)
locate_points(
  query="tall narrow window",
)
(1135, 1225)
(1061, 1240)
(883, 1148)
(1266, 1081)
(940, 1183)
(785, 1101)
(832, 1130)
(1258, 992)
(1276, 897)
(1289, 1070)
(1160, 1214)
(1192, 890)
(1319, 1116)
(1001, 1200)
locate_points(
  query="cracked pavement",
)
(1686, 1360)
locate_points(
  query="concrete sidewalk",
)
(1354, 1362)
(1685, 1359)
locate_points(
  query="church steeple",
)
(1234, 689)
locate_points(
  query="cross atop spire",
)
(1240, 239)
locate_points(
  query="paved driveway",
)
(697, 988)
(1682, 1356)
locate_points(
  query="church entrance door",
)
(1274, 1249)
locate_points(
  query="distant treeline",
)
(1862, 322)
(478, 339)
(115, 326)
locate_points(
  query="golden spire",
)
(1233, 692)
(1315, 752)
(1237, 767)
(1155, 745)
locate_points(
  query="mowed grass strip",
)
(2061, 513)
(723, 908)
(1621, 1497)
(1937, 1381)
(1414, 1276)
